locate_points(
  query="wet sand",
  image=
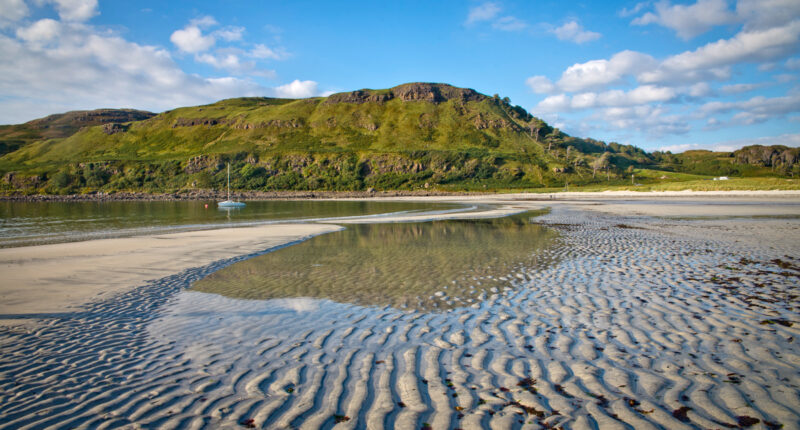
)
(643, 322)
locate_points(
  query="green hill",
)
(417, 135)
(13, 137)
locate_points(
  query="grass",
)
(312, 144)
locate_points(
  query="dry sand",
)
(643, 323)
(61, 277)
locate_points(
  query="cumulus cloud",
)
(40, 31)
(86, 70)
(740, 88)
(540, 84)
(231, 61)
(12, 11)
(599, 73)
(230, 34)
(759, 105)
(297, 89)
(81, 67)
(191, 39)
(761, 14)
(574, 32)
(654, 121)
(613, 98)
(713, 59)
(483, 12)
(75, 10)
(689, 21)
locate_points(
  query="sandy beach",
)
(665, 310)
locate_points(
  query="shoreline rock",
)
(220, 195)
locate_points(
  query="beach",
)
(654, 310)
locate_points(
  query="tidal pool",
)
(422, 266)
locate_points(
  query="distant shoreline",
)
(244, 195)
(310, 195)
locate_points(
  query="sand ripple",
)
(642, 324)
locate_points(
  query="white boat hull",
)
(230, 204)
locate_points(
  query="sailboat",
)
(230, 203)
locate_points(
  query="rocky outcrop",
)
(200, 163)
(385, 163)
(435, 93)
(114, 128)
(418, 91)
(360, 96)
(191, 122)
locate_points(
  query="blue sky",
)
(663, 75)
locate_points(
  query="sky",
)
(661, 75)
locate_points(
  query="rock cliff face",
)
(418, 91)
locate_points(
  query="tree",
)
(600, 163)
(535, 127)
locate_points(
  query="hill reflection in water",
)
(423, 266)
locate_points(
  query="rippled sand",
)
(640, 323)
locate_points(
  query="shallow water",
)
(441, 264)
(34, 223)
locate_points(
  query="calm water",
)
(51, 222)
(441, 264)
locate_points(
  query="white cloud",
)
(599, 73)
(614, 98)
(574, 32)
(206, 21)
(76, 10)
(12, 11)
(264, 52)
(651, 120)
(509, 23)
(231, 61)
(191, 39)
(712, 60)
(740, 88)
(84, 68)
(700, 89)
(689, 21)
(553, 104)
(224, 61)
(484, 12)
(40, 31)
(755, 110)
(540, 84)
(230, 34)
(625, 12)
(490, 12)
(297, 89)
(761, 14)
(793, 64)
(788, 139)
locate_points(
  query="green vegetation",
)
(412, 136)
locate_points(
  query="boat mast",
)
(229, 181)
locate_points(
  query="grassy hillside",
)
(410, 136)
(59, 126)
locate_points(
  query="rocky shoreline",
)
(219, 195)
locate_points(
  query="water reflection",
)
(34, 223)
(441, 264)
